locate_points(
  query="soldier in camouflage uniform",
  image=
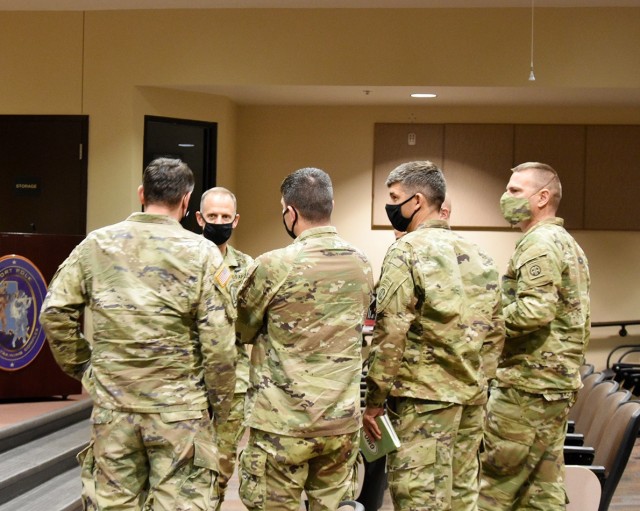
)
(162, 352)
(218, 217)
(437, 339)
(545, 294)
(304, 400)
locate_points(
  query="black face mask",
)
(399, 222)
(290, 231)
(218, 233)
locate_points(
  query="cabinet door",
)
(477, 163)
(43, 173)
(612, 175)
(395, 144)
(562, 147)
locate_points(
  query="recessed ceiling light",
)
(423, 95)
(186, 145)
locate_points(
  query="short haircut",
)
(310, 192)
(166, 181)
(423, 177)
(545, 177)
(219, 190)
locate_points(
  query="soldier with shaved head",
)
(545, 295)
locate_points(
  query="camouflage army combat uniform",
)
(162, 354)
(303, 405)
(546, 309)
(229, 433)
(437, 338)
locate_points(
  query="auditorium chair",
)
(614, 447)
(583, 395)
(586, 370)
(583, 489)
(349, 505)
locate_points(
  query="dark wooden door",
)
(193, 142)
(43, 174)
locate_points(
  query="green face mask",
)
(515, 209)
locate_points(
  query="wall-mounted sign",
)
(22, 291)
(26, 186)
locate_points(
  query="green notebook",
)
(388, 443)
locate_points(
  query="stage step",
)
(23, 432)
(39, 456)
(61, 493)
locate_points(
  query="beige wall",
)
(40, 63)
(278, 140)
(117, 67)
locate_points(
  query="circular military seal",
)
(22, 291)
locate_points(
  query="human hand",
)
(369, 422)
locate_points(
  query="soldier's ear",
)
(545, 195)
(141, 194)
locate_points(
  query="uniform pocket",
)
(411, 473)
(252, 490)
(507, 444)
(87, 471)
(101, 415)
(186, 415)
(200, 488)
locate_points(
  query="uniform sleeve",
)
(60, 316)
(537, 275)
(258, 289)
(216, 331)
(393, 318)
(494, 342)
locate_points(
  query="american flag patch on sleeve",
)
(223, 275)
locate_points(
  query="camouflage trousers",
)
(436, 467)
(275, 469)
(522, 462)
(228, 435)
(150, 461)
(466, 459)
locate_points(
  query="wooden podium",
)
(41, 377)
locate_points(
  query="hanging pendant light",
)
(532, 76)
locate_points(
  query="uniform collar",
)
(148, 218)
(554, 220)
(434, 223)
(317, 231)
(230, 257)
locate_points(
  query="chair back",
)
(350, 505)
(597, 397)
(615, 446)
(603, 413)
(587, 385)
(583, 488)
(586, 370)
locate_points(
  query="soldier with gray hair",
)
(545, 294)
(162, 352)
(436, 341)
(308, 301)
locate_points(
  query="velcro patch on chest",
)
(223, 276)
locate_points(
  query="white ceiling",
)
(529, 94)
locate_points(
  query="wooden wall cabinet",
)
(391, 148)
(598, 167)
(612, 178)
(477, 159)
